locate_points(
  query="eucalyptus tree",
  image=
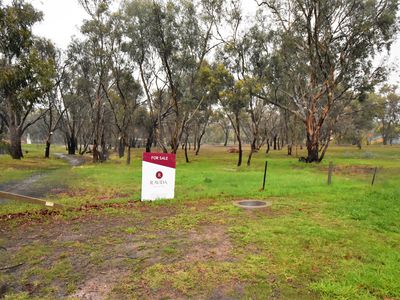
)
(54, 105)
(246, 53)
(52, 119)
(138, 35)
(123, 99)
(269, 127)
(77, 90)
(357, 121)
(219, 118)
(256, 110)
(206, 97)
(121, 90)
(173, 38)
(295, 133)
(234, 99)
(387, 112)
(98, 43)
(326, 49)
(27, 70)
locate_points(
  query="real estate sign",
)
(158, 176)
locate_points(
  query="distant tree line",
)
(162, 74)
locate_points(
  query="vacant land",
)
(315, 241)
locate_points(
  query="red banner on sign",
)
(162, 159)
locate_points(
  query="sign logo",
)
(159, 175)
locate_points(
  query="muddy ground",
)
(128, 250)
(103, 252)
(106, 253)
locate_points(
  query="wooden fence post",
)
(373, 177)
(265, 174)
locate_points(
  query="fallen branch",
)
(15, 197)
(11, 267)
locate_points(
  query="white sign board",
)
(158, 176)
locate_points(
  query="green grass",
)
(317, 241)
(32, 163)
(214, 175)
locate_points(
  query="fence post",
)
(373, 177)
(265, 174)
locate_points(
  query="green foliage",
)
(27, 70)
(16, 22)
(387, 112)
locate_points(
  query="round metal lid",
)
(252, 203)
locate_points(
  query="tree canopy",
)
(161, 73)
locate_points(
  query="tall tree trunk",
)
(104, 149)
(177, 135)
(186, 148)
(240, 153)
(121, 147)
(159, 134)
(239, 140)
(128, 157)
(203, 131)
(275, 137)
(150, 140)
(96, 127)
(268, 147)
(95, 150)
(198, 146)
(47, 151)
(313, 133)
(312, 148)
(15, 130)
(383, 130)
(252, 150)
(195, 141)
(71, 144)
(15, 142)
(289, 149)
(175, 141)
(226, 137)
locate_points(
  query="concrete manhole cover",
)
(252, 203)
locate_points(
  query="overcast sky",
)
(63, 18)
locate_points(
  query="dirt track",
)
(103, 253)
